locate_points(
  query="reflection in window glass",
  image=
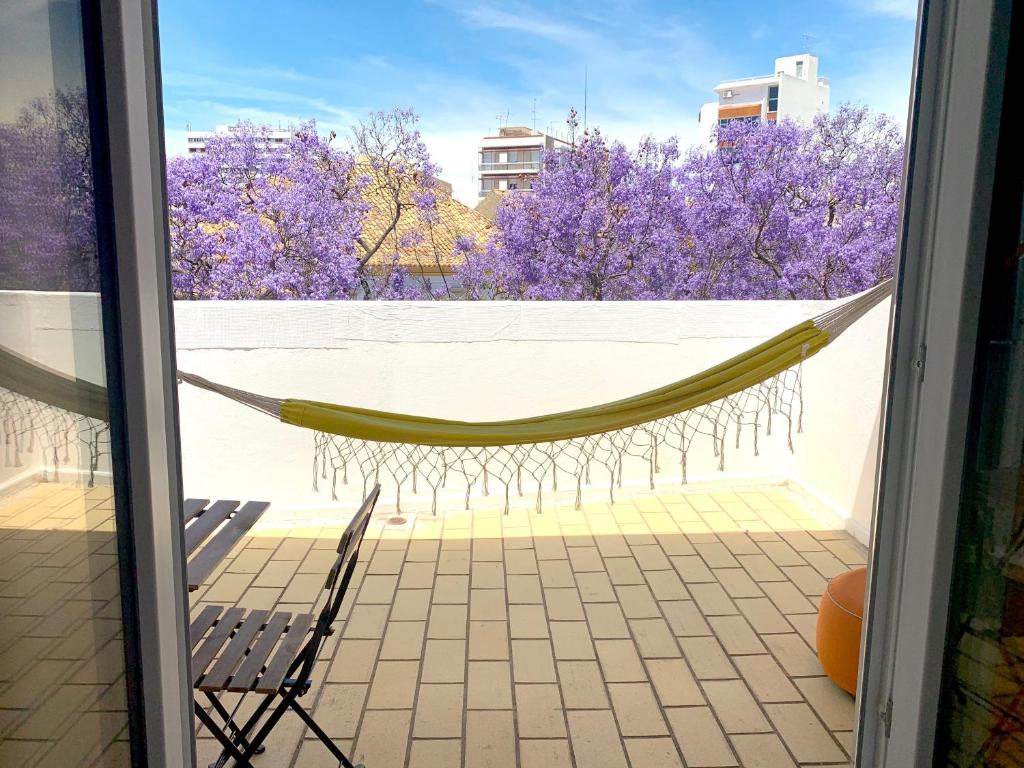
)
(984, 683)
(62, 689)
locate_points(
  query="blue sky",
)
(460, 64)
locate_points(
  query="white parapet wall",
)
(62, 331)
(494, 360)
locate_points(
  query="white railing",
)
(519, 166)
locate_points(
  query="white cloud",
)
(455, 151)
(645, 78)
(522, 19)
(175, 143)
(901, 9)
(236, 85)
(881, 81)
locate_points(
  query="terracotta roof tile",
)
(436, 239)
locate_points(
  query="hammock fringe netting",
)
(43, 410)
(749, 393)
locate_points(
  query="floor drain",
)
(396, 521)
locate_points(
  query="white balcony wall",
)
(492, 360)
(59, 330)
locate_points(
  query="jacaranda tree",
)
(769, 211)
(791, 211)
(308, 220)
(400, 181)
(47, 216)
(599, 224)
(251, 221)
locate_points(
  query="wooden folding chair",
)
(248, 662)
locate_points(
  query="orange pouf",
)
(839, 623)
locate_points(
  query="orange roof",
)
(488, 205)
(417, 242)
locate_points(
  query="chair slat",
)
(206, 523)
(286, 653)
(203, 622)
(253, 664)
(233, 654)
(202, 658)
(193, 507)
(207, 559)
(365, 509)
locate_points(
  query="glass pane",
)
(984, 683)
(62, 688)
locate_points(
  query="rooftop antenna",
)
(585, 79)
(808, 39)
(534, 112)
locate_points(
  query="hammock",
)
(43, 408)
(412, 447)
(748, 390)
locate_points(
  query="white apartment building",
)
(511, 160)
(794, 91)
(196, 140)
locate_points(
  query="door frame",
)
(123, 71)
(957, 101)
(955, 118)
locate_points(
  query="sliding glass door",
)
(93, 661)
(941, 656)
(63, 688)
(982, 710)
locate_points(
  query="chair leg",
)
(247, 727)
(268, 726)
(321, 734)
(230, 723)
(230, 748)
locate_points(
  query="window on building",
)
(750, 119)
(773, 98)
(799, 69)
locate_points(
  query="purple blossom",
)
(251, 221)
(772, 211)
(309, 220)
(47, 213)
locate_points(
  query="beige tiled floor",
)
(668, 629)
(62, 696)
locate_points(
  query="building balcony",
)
(679, 622)
(672, 626)
(524, 167)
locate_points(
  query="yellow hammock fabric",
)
(30, 379)
(734, 375)
(745, 370)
